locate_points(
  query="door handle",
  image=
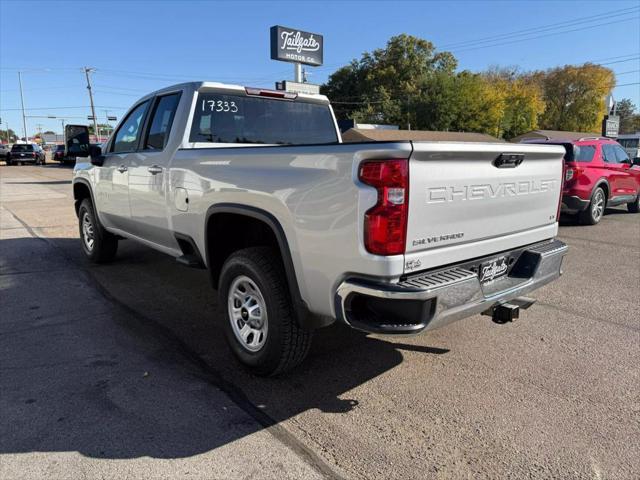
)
(154, 169)
(122, 169)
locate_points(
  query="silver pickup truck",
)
(298, 230)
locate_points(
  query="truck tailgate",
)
(472, 199)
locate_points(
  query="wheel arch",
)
(81, 190)
(604, 184)
(305, 318)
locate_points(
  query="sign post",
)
(297, 47)
(610, 126)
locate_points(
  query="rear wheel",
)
(634, 207)
(595, 211)
(98, 245)
(260, 324)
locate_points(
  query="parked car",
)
(631, 144)
(42, 154)
(58, 154)
(298, 230)
(598, 174)
(4, 151)
(22, 153)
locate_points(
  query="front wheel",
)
(260, 324)
(98, 245)
(634, 207)
(595, 211)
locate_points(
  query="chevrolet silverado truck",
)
(298, 230)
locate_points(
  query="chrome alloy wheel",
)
(247, 313)
(597, 209)
(88, 235)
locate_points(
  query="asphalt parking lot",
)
(121, 371)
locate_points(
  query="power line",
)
(619, 56)
(106, 92)
(542, 28)
(619, 61)
(62, 108)
(466, 49)
(627, 84)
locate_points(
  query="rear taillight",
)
(385, 224)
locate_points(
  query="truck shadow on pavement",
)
(128, 359)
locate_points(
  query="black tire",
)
(595, 211)
(104, 245)
(634, 207)
(9, 163)
(286, 344)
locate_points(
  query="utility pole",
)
(24, 119)
(87, 71)
(63, 136)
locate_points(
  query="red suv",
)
(598, 174)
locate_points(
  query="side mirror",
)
(635, 162)
(76, 141)
(95, 152)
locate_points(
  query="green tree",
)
(629, 119)
(386, 85)
(8, 135)
(574, 96)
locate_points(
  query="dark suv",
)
(598, 174)
(25, 153)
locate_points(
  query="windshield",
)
(22, 148)
(223, 118)
(59, 148)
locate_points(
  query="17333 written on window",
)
(221, 118)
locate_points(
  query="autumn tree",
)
(574, 96)
(519, 99)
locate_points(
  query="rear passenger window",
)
(583, 153)
(161, 121)
(609, 154)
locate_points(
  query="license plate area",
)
(493, 269)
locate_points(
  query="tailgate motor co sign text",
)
(296, 46)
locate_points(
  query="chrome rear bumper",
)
(434, 299)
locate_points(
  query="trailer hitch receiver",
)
(509, 311)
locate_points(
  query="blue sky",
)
(139, 46)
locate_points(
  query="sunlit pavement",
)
(121, 371)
